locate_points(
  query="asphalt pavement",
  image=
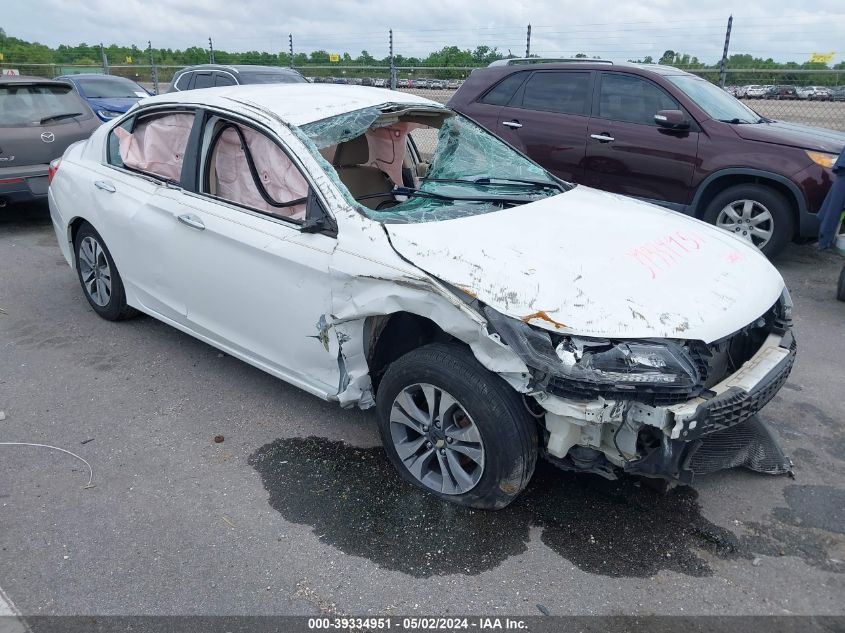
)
(296, 510)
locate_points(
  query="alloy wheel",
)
(749, 220)
(436, 439)
(95, 271)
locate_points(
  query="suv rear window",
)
(34, 105)
(565, 92)
(502, 92)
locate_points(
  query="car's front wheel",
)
(98, 276)
(756, 213)
(454, 429)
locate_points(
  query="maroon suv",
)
(662, 135)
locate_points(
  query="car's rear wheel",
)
(756, 213)
(454, 429)
(98, 276)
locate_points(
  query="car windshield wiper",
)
(497, 180)
(56, 117)
(419, 193)
(736, 121)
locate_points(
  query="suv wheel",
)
(756, 213)
(98, 276)
(454, 429)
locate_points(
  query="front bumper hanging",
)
(724, 431)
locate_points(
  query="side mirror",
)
(672, 119)
(317, 219)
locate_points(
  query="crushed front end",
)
(664, 408)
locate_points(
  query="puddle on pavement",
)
(355, 501)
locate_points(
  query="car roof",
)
(26, 79)
(94, 76)
(242, 68)
(296, 104)
(588, 64)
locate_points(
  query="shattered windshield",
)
(457, 170)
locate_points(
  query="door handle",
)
(105, 185)
(604, 137)
(512, 124)
(191, 220)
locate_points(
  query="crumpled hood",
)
(598, 264)
(793, 135)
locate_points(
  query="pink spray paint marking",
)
(666, 252)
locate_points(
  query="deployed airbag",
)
(157, 145)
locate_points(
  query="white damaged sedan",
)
(491, 312)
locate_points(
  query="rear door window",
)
(564, 92)
(155, 145)
(224, 79)
(203, 80)
(632, 99)
(184, 81)
(503, 92)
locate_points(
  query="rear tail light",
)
(54, 167)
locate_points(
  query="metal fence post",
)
(392, 64)
(153, 69)
(105, 59)
(528, 43)
(724, 66)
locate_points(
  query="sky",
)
(785, 31)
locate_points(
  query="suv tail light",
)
(54, 167)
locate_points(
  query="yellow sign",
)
(334, 57)
(1, 57)
(822, 58)
(129, 59)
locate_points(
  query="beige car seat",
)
(350, 162)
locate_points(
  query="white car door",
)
(252, 281)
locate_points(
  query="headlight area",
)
(107, 115)
(649, 407)
(581, 367)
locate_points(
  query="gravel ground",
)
(297, 512)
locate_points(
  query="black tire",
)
(508, 433)
(783, 220)
(840, 288)
(114, 307)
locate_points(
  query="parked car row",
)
(381, 82)
(810, 93)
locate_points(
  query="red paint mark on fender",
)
(666, 252)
